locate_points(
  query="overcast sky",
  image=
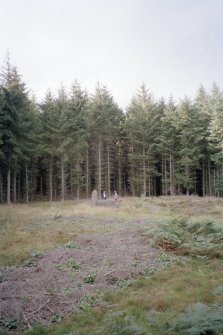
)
(171, 45)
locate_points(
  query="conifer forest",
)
(73, 142)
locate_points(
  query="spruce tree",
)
(190, 139)
(215, 140)
(141, 126)
(15, 123)
(78, 135)
(104, 120)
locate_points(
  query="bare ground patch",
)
(55, 284)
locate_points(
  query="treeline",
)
(69, 144)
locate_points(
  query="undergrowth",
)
(201, 238)
(182, 299)
(199, 319)
(120, 324)
(69, 264)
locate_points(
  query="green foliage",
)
(37, 254)
(90, 300)
(148, 272)
(199, 319)
(121, 283)
(9, 324)
(166, 259)
(38, 330)
(26, 299)
(90, 278)
(201, 238)
(142, 125)
(30, 263)
(56, 318)
(218, 291)
(120, 324)
(157, 147)
(70, 245)
(69, 264)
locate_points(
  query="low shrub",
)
(181, 236)
(69, 264)
(200, 319)
(120, 324)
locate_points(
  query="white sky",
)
(171, 45)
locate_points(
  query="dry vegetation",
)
(66, 257)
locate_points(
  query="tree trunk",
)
(8, 186)
(71, 182)
(62, 178)
(78, 179)
(1, 189)
(187, 174)
(171, 175)
(55, 188)
(19, 187)
(214, 182)
(87, 173)
(162, 176)
(203, 179)
(27, 183)
(132, 173)
(51, 180)
(218, 179)
(209, 178)
(108, 171)
(14, 187)
(144, 170)
(119, 172)
(165, 176)
(195, 183)
(41, 187)
(154, 185)
(99, 166)
(149, 185)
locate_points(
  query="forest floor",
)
(63, 258)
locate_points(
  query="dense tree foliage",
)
(66, 145)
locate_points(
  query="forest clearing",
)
(111, 167)
(148, 266)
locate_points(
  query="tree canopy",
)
(72, 142)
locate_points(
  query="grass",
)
(202, 239)
(168, 293)
(145, 305)
(42, 226)
(28, 228)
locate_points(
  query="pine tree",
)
(15, 123)
(104, 118)
(216, 139)
(141, 126)
(201, 105)
(168, 147)
(55, 139)
(48, 135)
(190, 140)
(78, 134)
